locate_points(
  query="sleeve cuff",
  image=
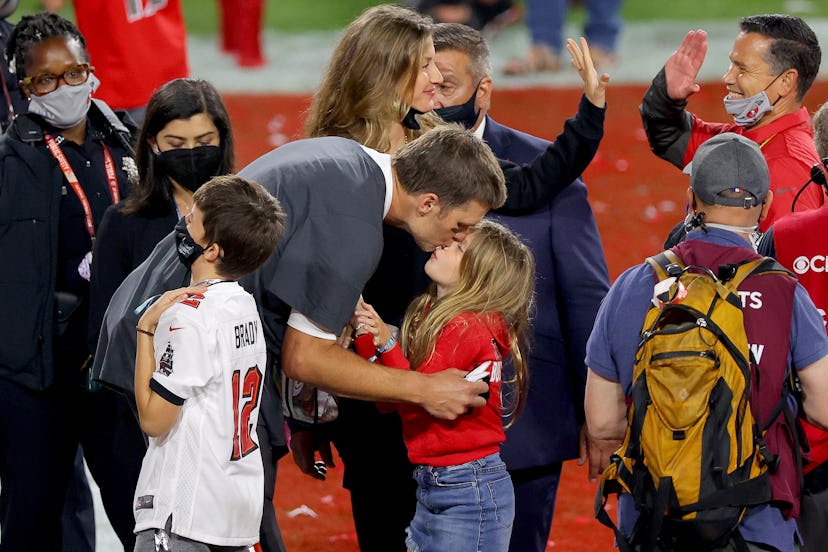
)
(395, 357)
(165, 393)
(364, 346)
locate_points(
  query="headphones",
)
(818, 176)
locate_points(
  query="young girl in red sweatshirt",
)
(473, 316)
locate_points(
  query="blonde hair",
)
(497, 276)
(371, 73)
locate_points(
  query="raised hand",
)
(682, 68)
(595, 88)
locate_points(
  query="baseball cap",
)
(730, 162)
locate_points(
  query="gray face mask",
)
(67, 106)
(748, 111)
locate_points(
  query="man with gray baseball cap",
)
(729, 170)
(729, 195)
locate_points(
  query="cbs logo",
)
(803, 264)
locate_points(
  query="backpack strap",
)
(660, 263)
(615, 480)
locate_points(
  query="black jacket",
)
(30, 198)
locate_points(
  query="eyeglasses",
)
(45, 83)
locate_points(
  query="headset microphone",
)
(817, 175)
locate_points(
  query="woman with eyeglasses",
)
(61, 166)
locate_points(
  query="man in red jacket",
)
(773, 63)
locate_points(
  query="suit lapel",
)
(494, 134)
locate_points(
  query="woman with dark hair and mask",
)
(185, 140)
(62, 164)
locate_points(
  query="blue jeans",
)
(465, 508)
(546, 18)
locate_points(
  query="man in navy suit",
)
(571, 281)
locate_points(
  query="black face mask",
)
(188, 249)
(410, 121)
(191, 167)
(465, 113)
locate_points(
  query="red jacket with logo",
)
(467, 341)
(801, 246)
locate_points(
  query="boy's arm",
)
(157, 414)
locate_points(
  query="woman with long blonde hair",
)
(473, 316)
(380, 82)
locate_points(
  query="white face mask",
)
(67, 106)
(748, 111)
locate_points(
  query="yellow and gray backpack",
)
(693, 458)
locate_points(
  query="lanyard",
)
(66, 168)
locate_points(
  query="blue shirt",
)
(611, 354)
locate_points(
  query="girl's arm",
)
(374, 339)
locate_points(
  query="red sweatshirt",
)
(467, 341)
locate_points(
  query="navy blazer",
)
(571, 280)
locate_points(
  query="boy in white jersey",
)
(198, 379)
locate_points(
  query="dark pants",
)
(535, 491)
(271, 433)
(38, 444)
(377, 474)
(113, 445)
(382, 511)
(269, 533)
(78, 521)
(114, 448)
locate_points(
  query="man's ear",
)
(766, 206)
(691, 199)
(484, 94)
(426, 203)
(788, 82)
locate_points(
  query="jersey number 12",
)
(245, 400)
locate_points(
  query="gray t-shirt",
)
(332, 192)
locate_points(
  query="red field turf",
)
(636, 198)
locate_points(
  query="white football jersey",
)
(207, 471)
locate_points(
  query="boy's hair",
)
(243, 219)
(453, 163)
(372, 72)
(497, 275)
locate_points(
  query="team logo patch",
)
(165, 365)
(144, 502)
